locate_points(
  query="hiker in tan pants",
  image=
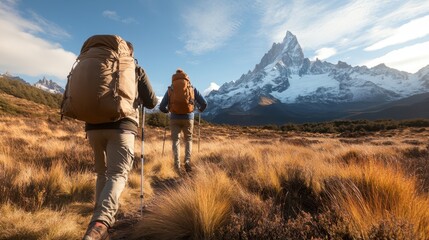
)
(181, 99)
(187, 127)
(113, 146)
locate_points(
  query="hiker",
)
(111, 140)
(113, 146)
(181, 99)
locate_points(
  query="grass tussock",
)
(193, 211)
(80, 187)
(16, 223)
(375, 197)
(33, 187)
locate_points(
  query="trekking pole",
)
(142, 161)
(199, 130)
(165, 133)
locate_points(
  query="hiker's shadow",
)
(162, 184)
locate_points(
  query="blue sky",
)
(213, 41)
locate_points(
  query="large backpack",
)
(181, 94)
(102, 86)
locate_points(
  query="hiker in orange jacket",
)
(182, 116)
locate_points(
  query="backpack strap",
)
(65, 95)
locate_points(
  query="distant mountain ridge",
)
(49, 86)
(44, 83)
(285, 86)
(11, 77)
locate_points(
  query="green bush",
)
(157, 119)
(352, 126)
(415, 123)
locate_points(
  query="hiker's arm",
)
(201, 101)
(146, 93)
(164, 103)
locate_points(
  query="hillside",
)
(412, 107)
(15, 106)
(22, 90)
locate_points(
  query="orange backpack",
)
(181, 94)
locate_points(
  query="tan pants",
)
(187, 127)
(114, 155)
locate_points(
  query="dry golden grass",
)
(194, 210)
(369, 194)
(37, 185)
(44, 224)
(363, 181)
(262, 183)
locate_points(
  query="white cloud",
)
(111, 14)
(114, 16)
(409, 59)
(209, 25)
(324, 53)
(343, 24)
(213, 86)
(414, 29)
(48, 27)
(23, 52)
(315, 25)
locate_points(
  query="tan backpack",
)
(102, 86)
(181, 94)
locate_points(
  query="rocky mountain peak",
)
(289, 52)
(49, 86)
(424, 76)
(44, 80)
(423, 71)
(289, 37)
(341, 64)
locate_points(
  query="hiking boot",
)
(96, 231)
(188, 167)
(177, 169)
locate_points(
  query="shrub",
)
(415, 152)
(157, 119)
(289, 127)
(415, 123)
(392, 229)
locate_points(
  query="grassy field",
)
(247, 183)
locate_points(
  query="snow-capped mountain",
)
(212, 86)
(285, 77)
(156, 108)
(49, 86)
(10, 76)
